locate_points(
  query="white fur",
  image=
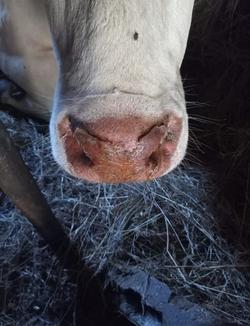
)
(103, 54)
(11, 64)
(26, 53)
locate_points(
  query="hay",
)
(168, 227)
(187, 228)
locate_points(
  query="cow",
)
(107, 76)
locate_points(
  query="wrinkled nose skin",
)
(113, 150)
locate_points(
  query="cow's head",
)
(119, 111)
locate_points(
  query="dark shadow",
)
(216, 73)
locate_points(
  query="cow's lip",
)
(84, 166)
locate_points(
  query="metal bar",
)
(18, 184)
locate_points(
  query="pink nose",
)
(116, 150)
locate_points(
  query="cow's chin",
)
(123, 148)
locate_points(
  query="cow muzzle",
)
(116, 150)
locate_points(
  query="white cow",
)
(114, 89)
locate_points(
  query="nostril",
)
(75, 139)
(85, 160)
(153, 160)
(73, 123)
